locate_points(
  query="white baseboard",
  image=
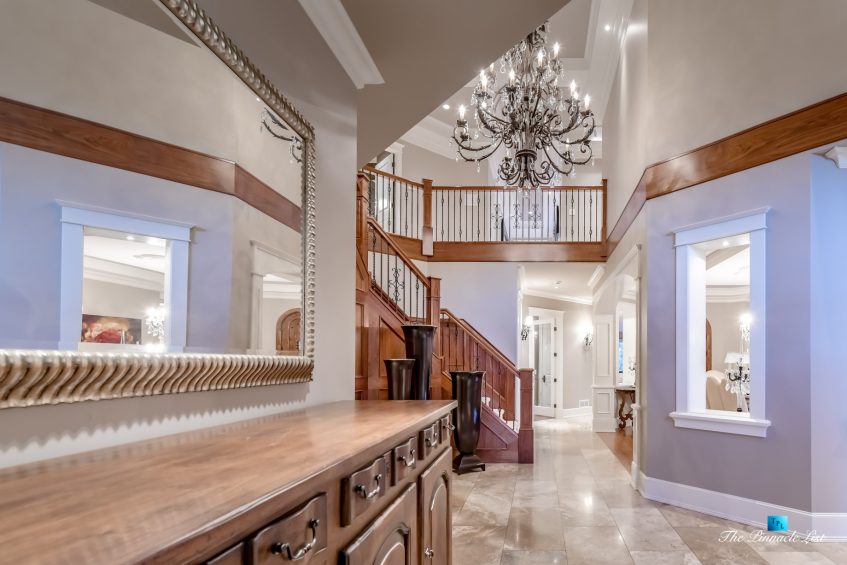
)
(573, 412)
(738, 509)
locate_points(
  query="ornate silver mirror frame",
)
(35, 377)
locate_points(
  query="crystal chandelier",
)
(545, 128)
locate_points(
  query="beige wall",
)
(726, 334)
(626, 128)
(718, 67)
(692, 72)
(576, 359)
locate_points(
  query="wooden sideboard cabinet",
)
(350, 483)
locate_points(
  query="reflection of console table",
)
(621, 394)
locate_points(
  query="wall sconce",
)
(155, 321)
(586, 329)
(744, 323)
(525, 328)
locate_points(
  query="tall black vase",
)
(467, 390)
(419, 347)
(399, 373)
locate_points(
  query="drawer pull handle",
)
(429, 553)
(408, 461)
(433, 443)
(363, 492)
(284, 550)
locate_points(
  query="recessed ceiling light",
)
(130, 238)
(725, 243)
(608, 27)
(446, 106)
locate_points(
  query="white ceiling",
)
(565, 281)
(589, 53)
(734, 271)
(141, 251)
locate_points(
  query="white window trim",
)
(691, 409)
(265, 259)
(75, 218)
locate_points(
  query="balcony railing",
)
(547, 214)
(574, 214)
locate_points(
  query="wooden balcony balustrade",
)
(474, 223)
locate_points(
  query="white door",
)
(543, 351)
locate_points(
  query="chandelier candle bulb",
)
(462, 111)
(556, 49)
(587, 101)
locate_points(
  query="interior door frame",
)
(556, 317)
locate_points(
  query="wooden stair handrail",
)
(399, 252)
(510, 188)
(374, 171)
(487, 345)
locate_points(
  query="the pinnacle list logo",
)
(777, 523)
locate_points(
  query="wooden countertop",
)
(147, 500)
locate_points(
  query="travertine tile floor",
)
(575, 506)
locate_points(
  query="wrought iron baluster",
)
(406, 219)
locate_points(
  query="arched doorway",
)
(288, 333)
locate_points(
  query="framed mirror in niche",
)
(133, 195)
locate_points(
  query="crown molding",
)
(337, 29)
(433, 135)
(560, 297)
(727, 294)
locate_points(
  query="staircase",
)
(391, 291)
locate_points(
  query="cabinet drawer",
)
(404, 460)
(361, 489)
(300, 535)
(446, 429)
(430, 437)
(232, 556)
(392, 538)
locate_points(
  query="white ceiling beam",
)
(337, 29)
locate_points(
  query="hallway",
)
(576, 506)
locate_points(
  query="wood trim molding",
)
(495, 251)
(62, 134)
(795, 132)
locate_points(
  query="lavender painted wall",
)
(829, 311)
(775, 469)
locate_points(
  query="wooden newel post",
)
(526, 440)
(433, 315)
(426, 232)
(362, 209)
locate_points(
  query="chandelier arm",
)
(466, 145)
(481, 114)
(552, 161)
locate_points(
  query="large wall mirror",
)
(156, 207)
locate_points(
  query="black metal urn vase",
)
(399, 372)
(467, 390)
(419, 347)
